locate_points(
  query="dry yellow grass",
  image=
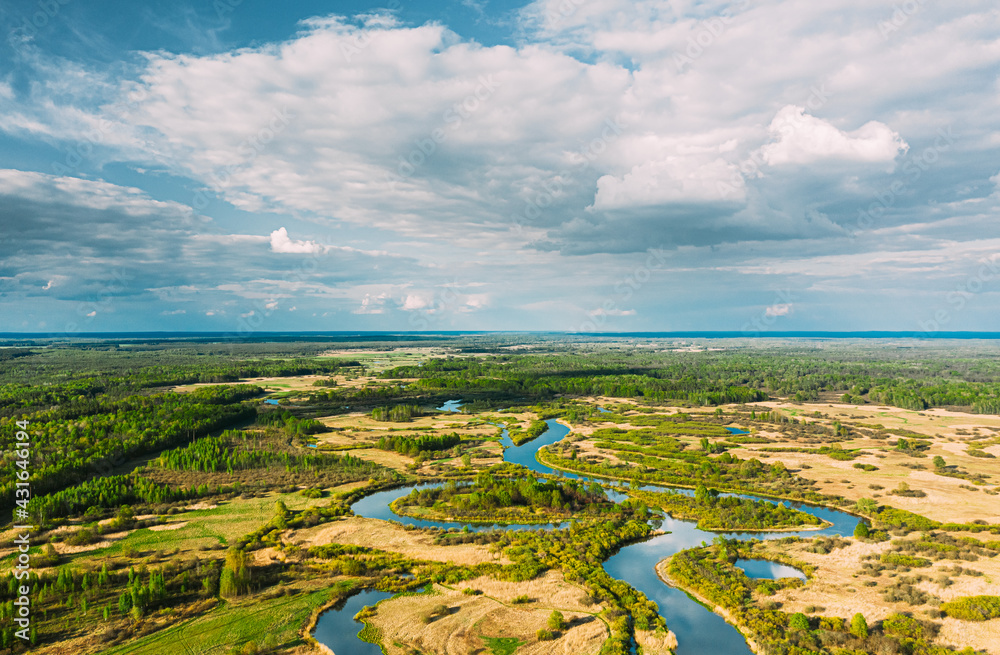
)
(383, 535)
(470, 618)
(296, 383)
(654, 643)
(947, 499)
(837, 587)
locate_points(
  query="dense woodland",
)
(727, 513)
(493, 498)
(912, 380)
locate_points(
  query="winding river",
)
(699, 631)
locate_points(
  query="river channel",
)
(699, 631)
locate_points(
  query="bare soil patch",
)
(375, 533)
(469, 618)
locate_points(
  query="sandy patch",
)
(984, 635)
(470, 618)
(549, 589)
(387, 536)
(108, 539)
(201, 505)
(266, 556)
(168, 526)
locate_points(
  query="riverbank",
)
(664, 576)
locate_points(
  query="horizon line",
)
(725, 334)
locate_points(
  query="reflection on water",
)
(337, 629)
(451, 406)
(699, 631)
(763, 569)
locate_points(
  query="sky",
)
(564, 165)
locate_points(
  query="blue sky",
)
(579, 165)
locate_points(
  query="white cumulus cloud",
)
(802, 139)
(281, 242)
(779, 309)
(671, 180)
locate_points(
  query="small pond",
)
(763, 569)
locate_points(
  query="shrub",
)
(901, 625)
(899, 559)
(973, 608)
(556, 621)
(544, 635)
(799, 621)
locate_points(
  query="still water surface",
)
(699, 631)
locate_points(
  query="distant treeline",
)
(713, 378)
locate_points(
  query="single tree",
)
(799, 621)
(861, 530)
(859, 627)
(556, 621)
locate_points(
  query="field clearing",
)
(375, 533)
(383, 457)
(931, 422)
(548, 589)
(197, 530)
(945, 501)
(947, 498)
(291, 383)
(838, 588)
(401, 620)
(381, 360)
(235, 623)
(361, 427)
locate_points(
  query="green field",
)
(232, 624)
(205, 528)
